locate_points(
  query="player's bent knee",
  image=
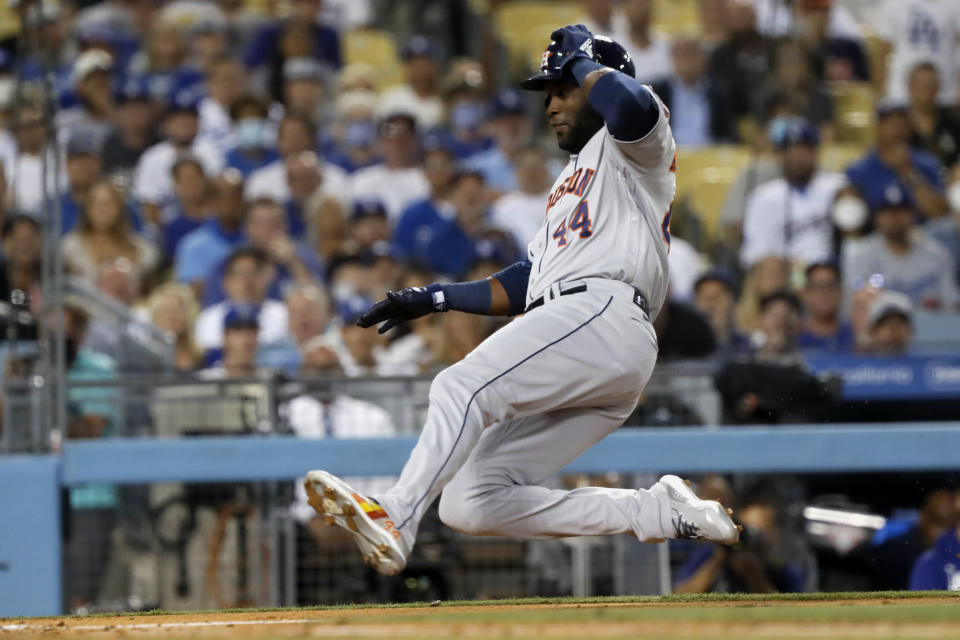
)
(462, 514)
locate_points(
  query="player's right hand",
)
(399, 306)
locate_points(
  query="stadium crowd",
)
(230, 178)
(222, 164)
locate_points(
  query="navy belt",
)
(638, 298)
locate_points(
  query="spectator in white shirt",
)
(91, 78)
(225, 85)
(789, 217)
(296, 135)
(24, 168)
(399, 181)
(914, 31)
(240, 328)
(649, 49)
(420, 94)
(245, 281)
(521, 211)
(153, 181)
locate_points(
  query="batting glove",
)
(401, 306)
(575, 42)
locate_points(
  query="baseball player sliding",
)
(549, 385)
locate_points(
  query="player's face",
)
(572, 119)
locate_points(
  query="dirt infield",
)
(899, 616)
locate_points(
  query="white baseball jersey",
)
(608, 215)
(921, 31)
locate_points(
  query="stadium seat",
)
(525, 28)
(377, 49)
(705, 175)
(837, 157)
(855, 105)
(673, 17)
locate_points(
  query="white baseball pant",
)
(520, 407)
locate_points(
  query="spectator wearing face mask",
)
(464, 93)
(399, 180)
(252, 150)
(353, 143)
(419, 95)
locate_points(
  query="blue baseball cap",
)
(241, 316)
(133, 88)
(84, 143)
(184, 99)
(418, 46)
(788, 131)
(368, 208)
(508, 102)
(352, 308)
(893, 196)
(717, 274)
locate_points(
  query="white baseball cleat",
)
(372, 529)
(692, 517)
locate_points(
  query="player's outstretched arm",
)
(628, 108)
(502, 294)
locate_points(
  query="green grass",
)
(747, 598)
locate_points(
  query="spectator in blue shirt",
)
(190, 208)
(695, 114)
(511, 132)
(420, 220)
(84, 169)
(893, 162)
(252, 150)
(765, 560)
(265, 228)
(453, 248)
(300, 34)
(200, 251)
(715, 296)
(823, 328)
(938, 568)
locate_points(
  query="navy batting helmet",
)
(606, 51)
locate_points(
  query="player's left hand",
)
(575, 42)
(399, 306)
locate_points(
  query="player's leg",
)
(496, 492)
(592, 349)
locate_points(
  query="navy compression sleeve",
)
(514, 280)
(469, 297)
(627, 107)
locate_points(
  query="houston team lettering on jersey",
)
(608, 215)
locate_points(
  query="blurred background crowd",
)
(279, 166)
(248, 176)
